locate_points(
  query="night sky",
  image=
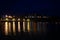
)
(22, 7)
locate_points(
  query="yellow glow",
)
(28, 25)
(18, 26)
(14, 28)
(13, 19)
(28, 19)
(10, 16)
(24, 26)
(7, 19)
(6, 28)
(9, 27)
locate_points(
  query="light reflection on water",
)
(14, 29)
(37, 27)
(23, 26)
(18, 26)
(28, 26)
(9, 27)
(6, 28)
(41, 26)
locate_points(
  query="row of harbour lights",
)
(31, 26)
(8, 26)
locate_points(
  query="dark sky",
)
(19, 7)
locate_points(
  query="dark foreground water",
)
(25, 36)
(52, 34)
(31, 36)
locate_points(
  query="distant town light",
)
(13, 19)
(25, 16)
(32, 16)
(10, 16)
(18, 19)
(6, 15)
(44, 16)
(23, 19)
(38, 16)
(28, 19)
(29, 16)
(7, 19)
(13, 16)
